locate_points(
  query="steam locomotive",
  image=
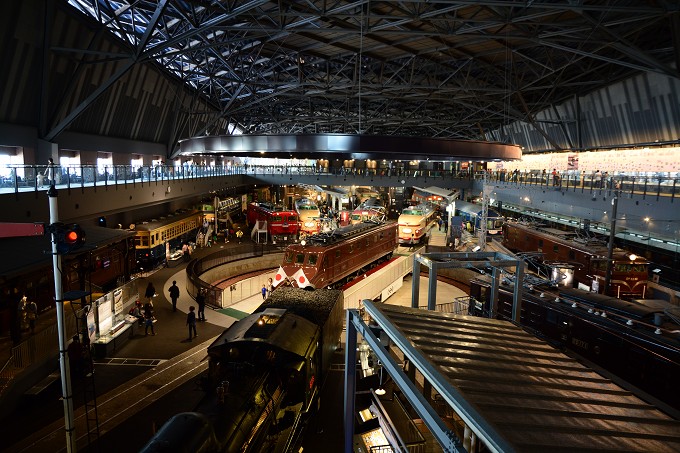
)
(638, 341)
(263, 380)
(328, 260)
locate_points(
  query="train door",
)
(326, 267)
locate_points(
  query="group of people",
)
(192, 316)
(145, 313)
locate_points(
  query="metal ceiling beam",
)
(242, 57)
(73, 114)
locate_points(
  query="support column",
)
(415, 284)
(610, 249)
(350, 378)
(432, 288)
(64, 368)
(517, 294)
(45, 151)
(493, 297)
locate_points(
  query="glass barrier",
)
(646, 184)
(37, 177)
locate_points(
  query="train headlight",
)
(632, 257)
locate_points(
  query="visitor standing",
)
(50, 173)
(200, 300)
(32, 315)
(149, 293)
(191, 322)
(174, 294)
(148, 319)
(76, 357)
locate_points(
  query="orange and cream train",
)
(309, 215)
(415, 222)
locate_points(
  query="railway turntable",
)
(483, 384)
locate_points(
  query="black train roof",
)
(315, 306)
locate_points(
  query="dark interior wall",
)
(43, 90)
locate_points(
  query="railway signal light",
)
(68, 237)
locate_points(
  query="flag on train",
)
(280, 277)
(300, 279)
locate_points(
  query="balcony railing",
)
(37, 177)
(17, 178)
(656, 185)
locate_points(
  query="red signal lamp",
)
(68, 238)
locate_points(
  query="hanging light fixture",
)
(380, 390)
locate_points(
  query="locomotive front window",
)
(289, 257)
(312, 260)
(276, 218)
(626, 267)
(356, 216)
(299, 258)
(600, 265)
(292, 218)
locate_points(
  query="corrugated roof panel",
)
(536, 397)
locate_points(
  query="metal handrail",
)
(32, 177)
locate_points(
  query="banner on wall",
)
(572, 162)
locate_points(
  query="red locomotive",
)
(328, 260)
(281, 224)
